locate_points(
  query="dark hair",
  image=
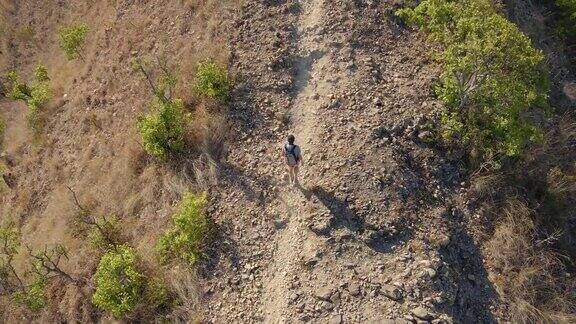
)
(291, 139)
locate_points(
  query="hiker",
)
(293, 157)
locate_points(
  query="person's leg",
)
(290, 174)
(295, 175)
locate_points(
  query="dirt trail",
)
(352, 244)
(295, 242)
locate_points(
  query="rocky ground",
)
(378, 229)
(383, 227)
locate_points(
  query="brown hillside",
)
(389, 224)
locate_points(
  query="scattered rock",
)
(391, 292)
(327, 305)
(320, 225)
(425, 135)
(387, 321)
(335, 319)
(324, 293)
(422, 313)
(430, 272)
(354, 289)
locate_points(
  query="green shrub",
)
(36, 95)
(9, 243)
(162, 130)
(2, 130)
(41, 74)
(107, 233)
(492, 75)
(185, 239)
(32, 296)
(567, 23)
(72, 40)
(119, 282)
(212, 81)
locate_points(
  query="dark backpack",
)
(291, 157)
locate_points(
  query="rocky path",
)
(371, 234)
(296, 240)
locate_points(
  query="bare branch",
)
(76, 201)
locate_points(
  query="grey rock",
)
(430, 272)
(310, 262)
(425, 135)
(422, 313)
(440, 321)
(324, 293)
(320, 225)
(354, 289)
(402, 321)
(327, 305)
(386, 321)
(335, 319)
(391, 292)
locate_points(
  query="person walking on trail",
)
(293, 156)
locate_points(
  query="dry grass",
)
(89, 141)
(209, 133)
(25, 33)
(186, 287)
(534, 278)
(532, 249)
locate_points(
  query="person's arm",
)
(301, 158)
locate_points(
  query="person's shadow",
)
(342, 216)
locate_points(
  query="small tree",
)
(567, 24)
(72, 39)
(46, 263)
(32, 296)
(119, 282)
(492, 78)
(36, 95)
(104, 232)
(212, 81)
(2, 130)
(45, 267)
(107, 233)
(9, 244)
(184, 241)
(162, 129)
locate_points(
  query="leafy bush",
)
(119, 282)
(32, 296)
(567, 24)
(185, 239)
(72, 40)
(162, 130)
(2, 130)
(106, 233)
(9, 243)
(212, 81)
(36, 95)
(492, 75)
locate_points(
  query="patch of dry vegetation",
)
(532, 246)
(101, 95)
